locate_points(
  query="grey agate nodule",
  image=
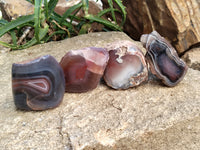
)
(38, 84)
(163, 59)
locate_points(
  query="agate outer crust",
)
(38, 84)
(163, 59)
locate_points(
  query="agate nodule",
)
(84, 68)
(38, 84)
(126, 66)
(163, 59)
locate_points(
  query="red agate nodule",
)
(84, 68)
(38, 84)
(126, 66)
(163, 59)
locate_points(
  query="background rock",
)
(192, 58)
(177, 20)
(150, 116)
(11, 9)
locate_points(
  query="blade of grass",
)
(110, 3)
(14, 37)
(104, 22)
(69, 12)
(85, 5)
(56, 32)
(37, 15)
(3, 22)
(30, 1)
(73, 16)
(7, 45)
(15, 23)
(46, 9)
(57, 18)
(123, 9)
(103, 12)
(106, 30)
(51, 6)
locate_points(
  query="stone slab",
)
(150, 116)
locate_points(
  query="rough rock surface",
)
(192, 58)
(177, 20)
(150, 116)
(12, 9)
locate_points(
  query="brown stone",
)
(12, 9)
(192, 58)
(178, 21)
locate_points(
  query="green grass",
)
(47, 24)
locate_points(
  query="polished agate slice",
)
(84, 68)
(38, 84)
(126, 66)
(163, 59)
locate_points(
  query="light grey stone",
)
(150, 116)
